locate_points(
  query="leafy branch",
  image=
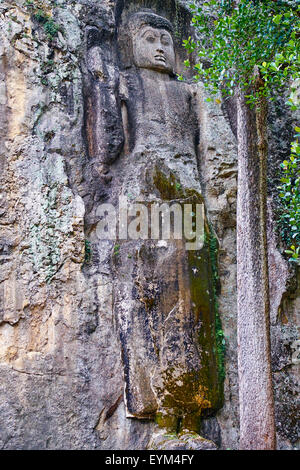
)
(289, 193)
(236, 39)
(253, 46)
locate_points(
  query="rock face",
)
(117, 344)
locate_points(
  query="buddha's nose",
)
(160, 50)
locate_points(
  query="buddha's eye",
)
(165, 40)
(150, 39)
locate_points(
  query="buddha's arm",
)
(123, 93)
(103, 120)
(197, 113)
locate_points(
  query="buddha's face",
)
(154, 49)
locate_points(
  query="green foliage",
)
(254, 46)
(50, 27)
(236, 39)
(40, 16)
(220, 337)
(87, 251)
(116, 250)
(289, 193)
(43, 18)
(47, 66)
(44, 81)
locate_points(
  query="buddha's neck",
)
(149, 74)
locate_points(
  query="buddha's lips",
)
(160, 57)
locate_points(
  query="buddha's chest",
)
(162, 110)
(165, 102)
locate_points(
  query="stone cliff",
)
(122, 344)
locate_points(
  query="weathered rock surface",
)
(181, 441)
(64, 149)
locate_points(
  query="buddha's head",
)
(152, 42)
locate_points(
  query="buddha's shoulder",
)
(183, 89)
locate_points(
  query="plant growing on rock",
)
(42, 17)
(87, 251)
(290, 201)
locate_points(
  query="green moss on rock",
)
(200, 392)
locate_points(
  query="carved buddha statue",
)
(163, 296)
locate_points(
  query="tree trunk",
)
(257, 423)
